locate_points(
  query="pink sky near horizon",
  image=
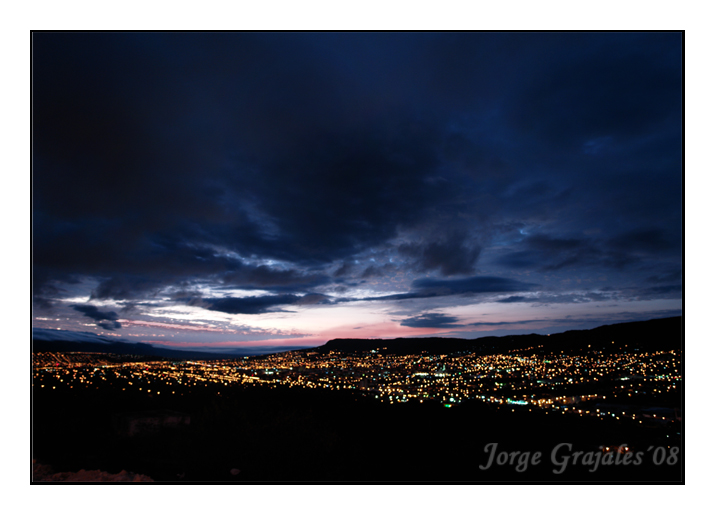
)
(313, 326)
(386, 330)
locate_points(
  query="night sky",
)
(281, 189)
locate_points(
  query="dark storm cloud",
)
(450, 256)
(104, 319)
(426, 288)
(666, 291)
(344, 269)
(265, 277)
(514, 298)
(672, 290)
(167, 131)
(548, 253)
(666, 276)
(262, 161)
(260, 304)
(125, 287)
(249, 305)
(357, 188)
(651, 240)
(39, 302)
(379, 270)
(519, 259)
(185, 265)
(110, 326)
(431, 320)
(556, 253)
(125, 268)
(470, 285)
(620, 90)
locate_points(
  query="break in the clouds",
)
(306, 183)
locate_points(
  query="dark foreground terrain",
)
(255, 434)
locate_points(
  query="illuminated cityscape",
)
(595, 384)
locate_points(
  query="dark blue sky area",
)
(223, 188)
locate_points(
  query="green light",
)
(447, 405)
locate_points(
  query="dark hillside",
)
(651, 335)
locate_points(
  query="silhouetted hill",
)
(67, 341)
(658, 334)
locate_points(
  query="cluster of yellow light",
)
(530, 377)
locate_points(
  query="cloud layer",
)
(265, 173)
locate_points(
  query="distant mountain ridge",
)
(657, 334)
(51, 340)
